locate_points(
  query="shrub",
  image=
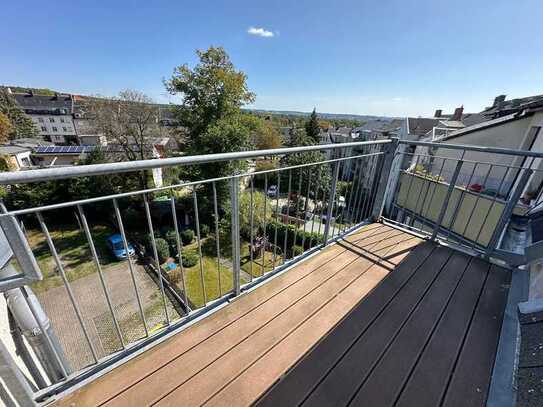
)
(290, 231)
(297, 250)
(171, 238)
(187, 236)
(189, 258)
(163, 250)
(204, 230)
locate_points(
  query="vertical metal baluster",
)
(490, 208)
(322, 208)
(236, 267)
(428, 183)
(475, 203)
(412, 177)
(349, 192)
(276, 217)
(458, 203)
(338, 229)
(433, 193)
(300, 173)
(306, 204)
(375, 178)
(288, 216)
(199, 242)
(365, 197)
(265, 226)
(130, 266)
(251, 222)
(66, 284)
(179, 252)
(316, 195)
(450, 190)
(155, 255)
(354, 201)
(100, 273)
(217, 244)
(331, 202)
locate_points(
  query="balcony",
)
(317, 300)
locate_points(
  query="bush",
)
(204, 230)
(171, 238)
(309, 239)
(189, 258)
(163, 250)
(297, 250)
(187, 236)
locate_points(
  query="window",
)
(54, 128)
(40, 119)
(62, 119)
(43, 128)
(64, 129)
(25, 161)
(52, 119)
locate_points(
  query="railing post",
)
(443, 210)
(383, 171)
(14, 380)
(234, 195)
(331, 200)
(508, 210)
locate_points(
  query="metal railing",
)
(94, 313)
(462, 195)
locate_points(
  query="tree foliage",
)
(5, 128)
(312, 128)
(21, 124)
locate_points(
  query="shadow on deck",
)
(376, 319)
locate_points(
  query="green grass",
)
(211, 277)
(257, 262)
(74, 252)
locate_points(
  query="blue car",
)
(115, 244)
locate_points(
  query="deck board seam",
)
(466, 334)
(356, 259)
(399, 329)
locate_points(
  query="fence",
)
(130, 272)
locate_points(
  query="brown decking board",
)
(235, 354)
(427, 340)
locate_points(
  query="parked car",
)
(115, 244)
(272, 191)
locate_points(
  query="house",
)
(52, 115)
(514, 124)
(15, 157)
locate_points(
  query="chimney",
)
(498, 101)
(438, 113)
(457, 116)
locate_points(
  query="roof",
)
(420, 126)
(29, 142)
(484, 125)
(76, 150)
(43, 103)
(514, 105)
(10, 150)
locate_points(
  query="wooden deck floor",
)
(426, 336)
(233, 356)
(330, 331)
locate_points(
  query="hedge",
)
(311, 239)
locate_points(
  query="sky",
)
(380, 57)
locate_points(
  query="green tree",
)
(212, 93)
(5, 128)
(260, 205)
(312, 128)
(21, 124)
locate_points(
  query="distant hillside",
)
(343, 116)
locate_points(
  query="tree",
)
(312, 128)
(21, 124)
(212, 93)
(264, 134)
(129, 121)
(260, 205)
(5, 128)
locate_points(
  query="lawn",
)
(74, 252)
(257, 262)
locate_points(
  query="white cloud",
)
(261, 32)
(397, 99)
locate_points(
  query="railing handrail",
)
(483, 149)
(48, 174)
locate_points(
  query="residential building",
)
(52, 115)
(15, 157)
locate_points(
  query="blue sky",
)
(387, 57)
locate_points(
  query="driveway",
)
(96, 315)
